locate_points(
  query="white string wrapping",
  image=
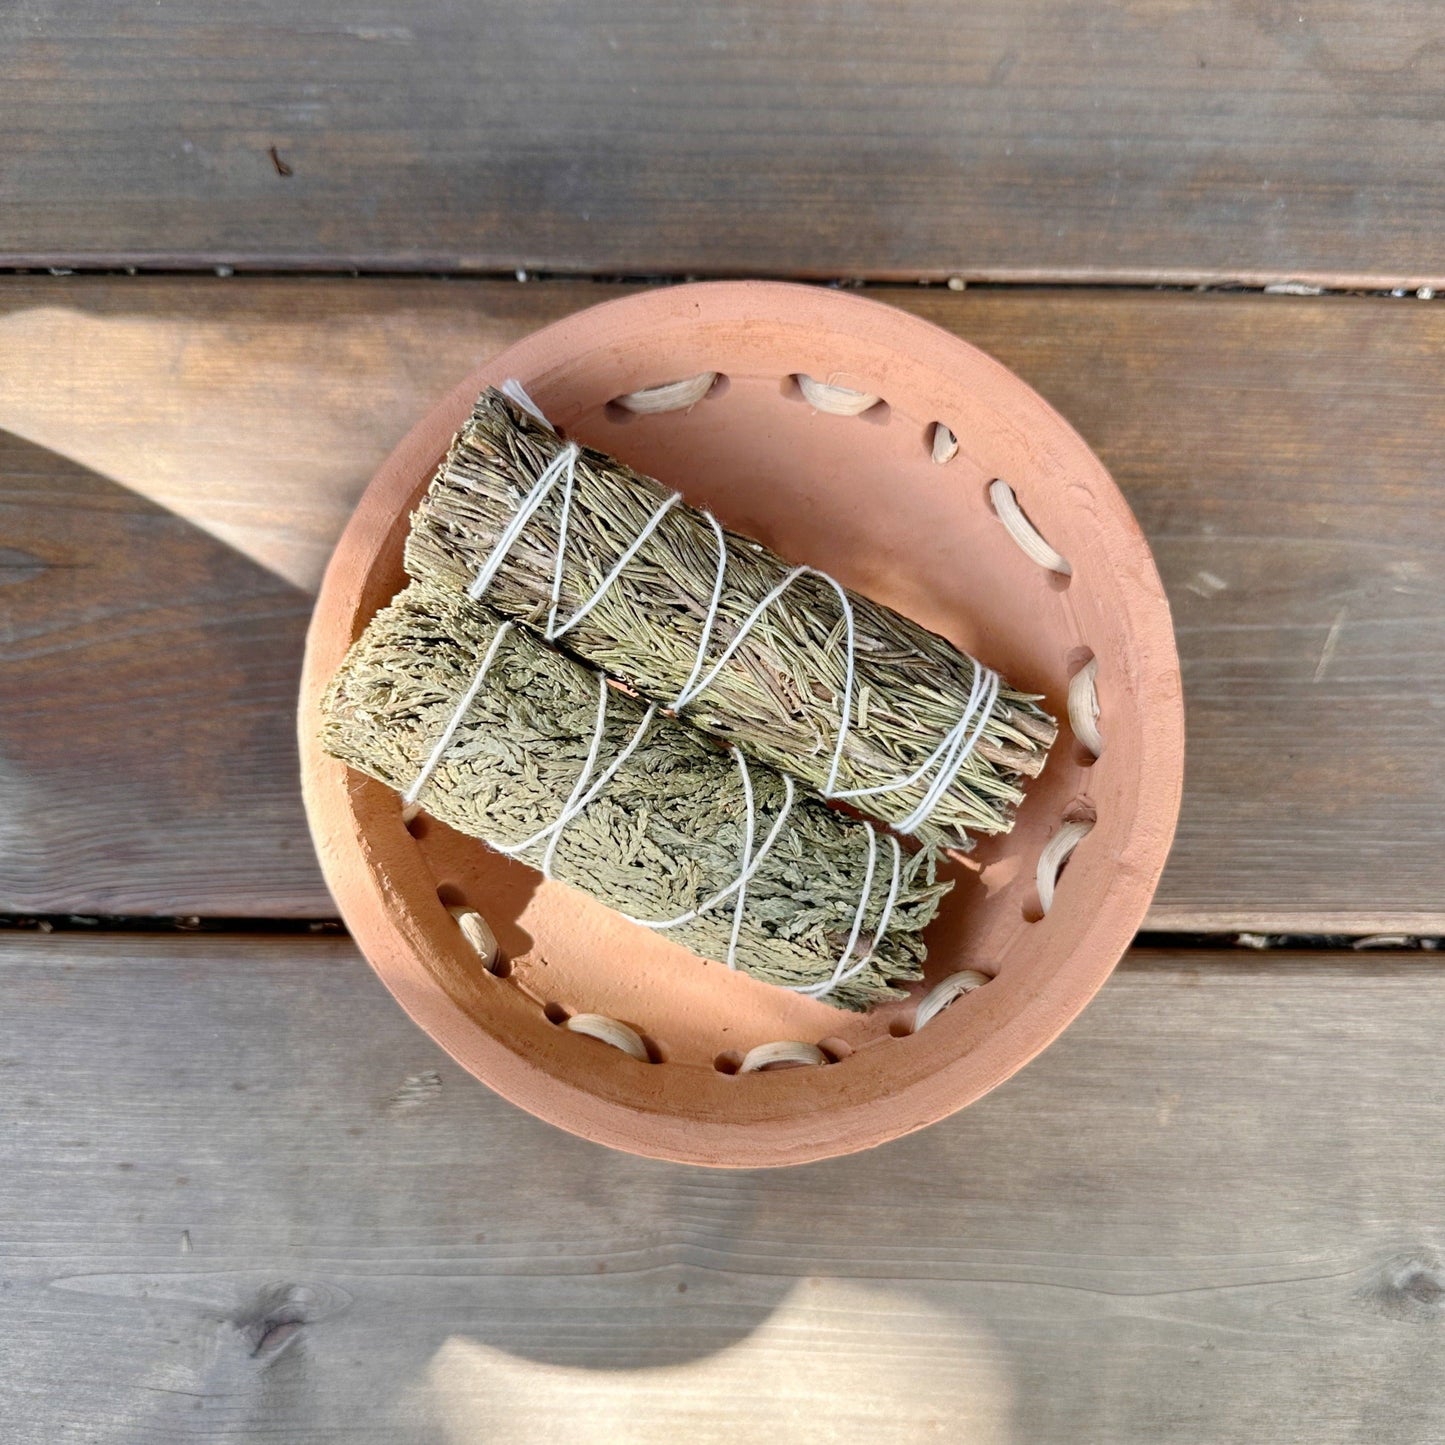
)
(562, 467)
(985, 683)
(514, 391)
(553, 831)
(581, 797)
(564, 461)
(841, 973)
(581, 800)
(454, 722)
(952, 752)
(750, 621)
(963, 747)
(633, 548)
(751, 862)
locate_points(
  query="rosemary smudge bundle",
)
(781, 695)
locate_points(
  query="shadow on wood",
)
(243, 1198)
(1279, 452)
(150, 673)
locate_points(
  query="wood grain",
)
(243, 1199)
(1254, 140)
(182, 453)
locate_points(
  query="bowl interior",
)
(863, 498)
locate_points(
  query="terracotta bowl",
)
(864, 497)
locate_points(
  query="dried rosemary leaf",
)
(668, 830)
(780, 696)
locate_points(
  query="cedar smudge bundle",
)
(838, 691)
(507, 737)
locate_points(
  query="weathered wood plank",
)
(1250, 141)
(243, 1199)
(169, 473)
(181, 455)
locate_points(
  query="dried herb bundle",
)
(781, 694)
(665, 834)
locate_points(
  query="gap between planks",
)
(1261, 283)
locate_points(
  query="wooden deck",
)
(249, 1201)
(1250, 141)
(242, 1198)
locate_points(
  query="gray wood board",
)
(242, 1198)
(1245, 141)
(178, 456)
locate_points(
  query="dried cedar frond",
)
(665, 834)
